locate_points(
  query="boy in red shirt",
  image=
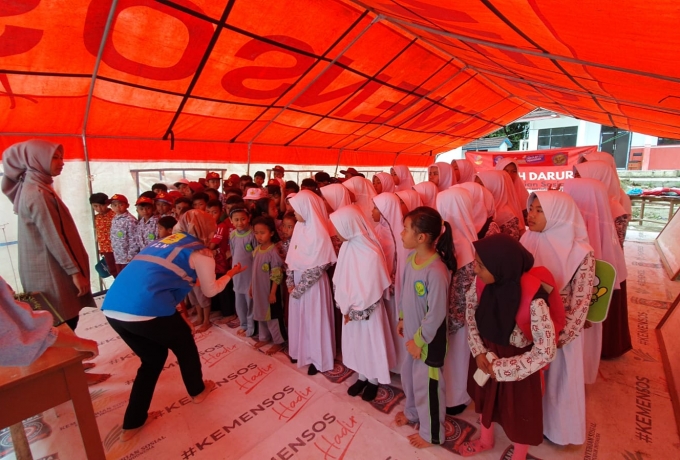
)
(224, 301)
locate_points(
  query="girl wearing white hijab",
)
(455, 206)
(336, 196)
(611, 338)
(441, 175)
(410, 200)
(311, 336)
(383, 183)
(608, 158)
(401, 175)
(558, 240)
(392, 219)
(465, 170)
(603, 172)
(428, 193)
(508, 217)
(363, 192)
(361, 278)
(483, 209)
(521, 194)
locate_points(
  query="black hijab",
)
(507, 260)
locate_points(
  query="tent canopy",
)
(326, 81)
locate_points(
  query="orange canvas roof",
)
(326, 81)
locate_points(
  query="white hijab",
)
(410, 198)
(455, 207)
(467, 170)
(624, 199)
(361, 275)
(428, 193)
(447, 176)
(497, 182)
(601, 171)
(336, 196)
(521, 192)
(387, 182)
(482, 203)
(563, 243)
(390, 213)
(590, 196)
(310, 245)
(405, 178)
(364, 193)
(600, 156)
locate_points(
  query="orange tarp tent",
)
(369, 82)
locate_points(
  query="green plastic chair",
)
(603, 288)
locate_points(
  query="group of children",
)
(421, 278)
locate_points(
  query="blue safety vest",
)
(157, 279)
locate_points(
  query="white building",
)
(552, 130)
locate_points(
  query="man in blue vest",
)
(141, 307)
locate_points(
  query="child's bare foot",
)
(470, 448)
(260, 344)
(225, 319)
(275, 349)
(241, 332)
(400, 419)
(203, 328)
(126, 435)
(209, 386)
(417, 441)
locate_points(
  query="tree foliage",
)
(515, 132)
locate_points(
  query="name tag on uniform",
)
(174, 238)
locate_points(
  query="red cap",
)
(234, 180)
(121, 198)
(196, 187)
(181, 181)
(164, 197)
(212, 175)
(278, 168)
(173, 195)
(351, 171)
(144, 200)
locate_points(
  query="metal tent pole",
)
(102, 45)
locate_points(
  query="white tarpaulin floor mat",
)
(266, 408)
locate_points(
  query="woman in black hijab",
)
(512, 337)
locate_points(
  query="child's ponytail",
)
(445, 248)
(428, 221)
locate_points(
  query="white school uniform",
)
(361, 277)
(311, 332)
(391, 216)
(591, 198)
(562, 247)
(455, 207)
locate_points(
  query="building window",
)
(668, 141)
(557, 138)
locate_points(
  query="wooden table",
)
(54, 378)
(642, 200)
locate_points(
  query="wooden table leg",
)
(22, 450)
(642, 210)
(82, 404)
(670, 213)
